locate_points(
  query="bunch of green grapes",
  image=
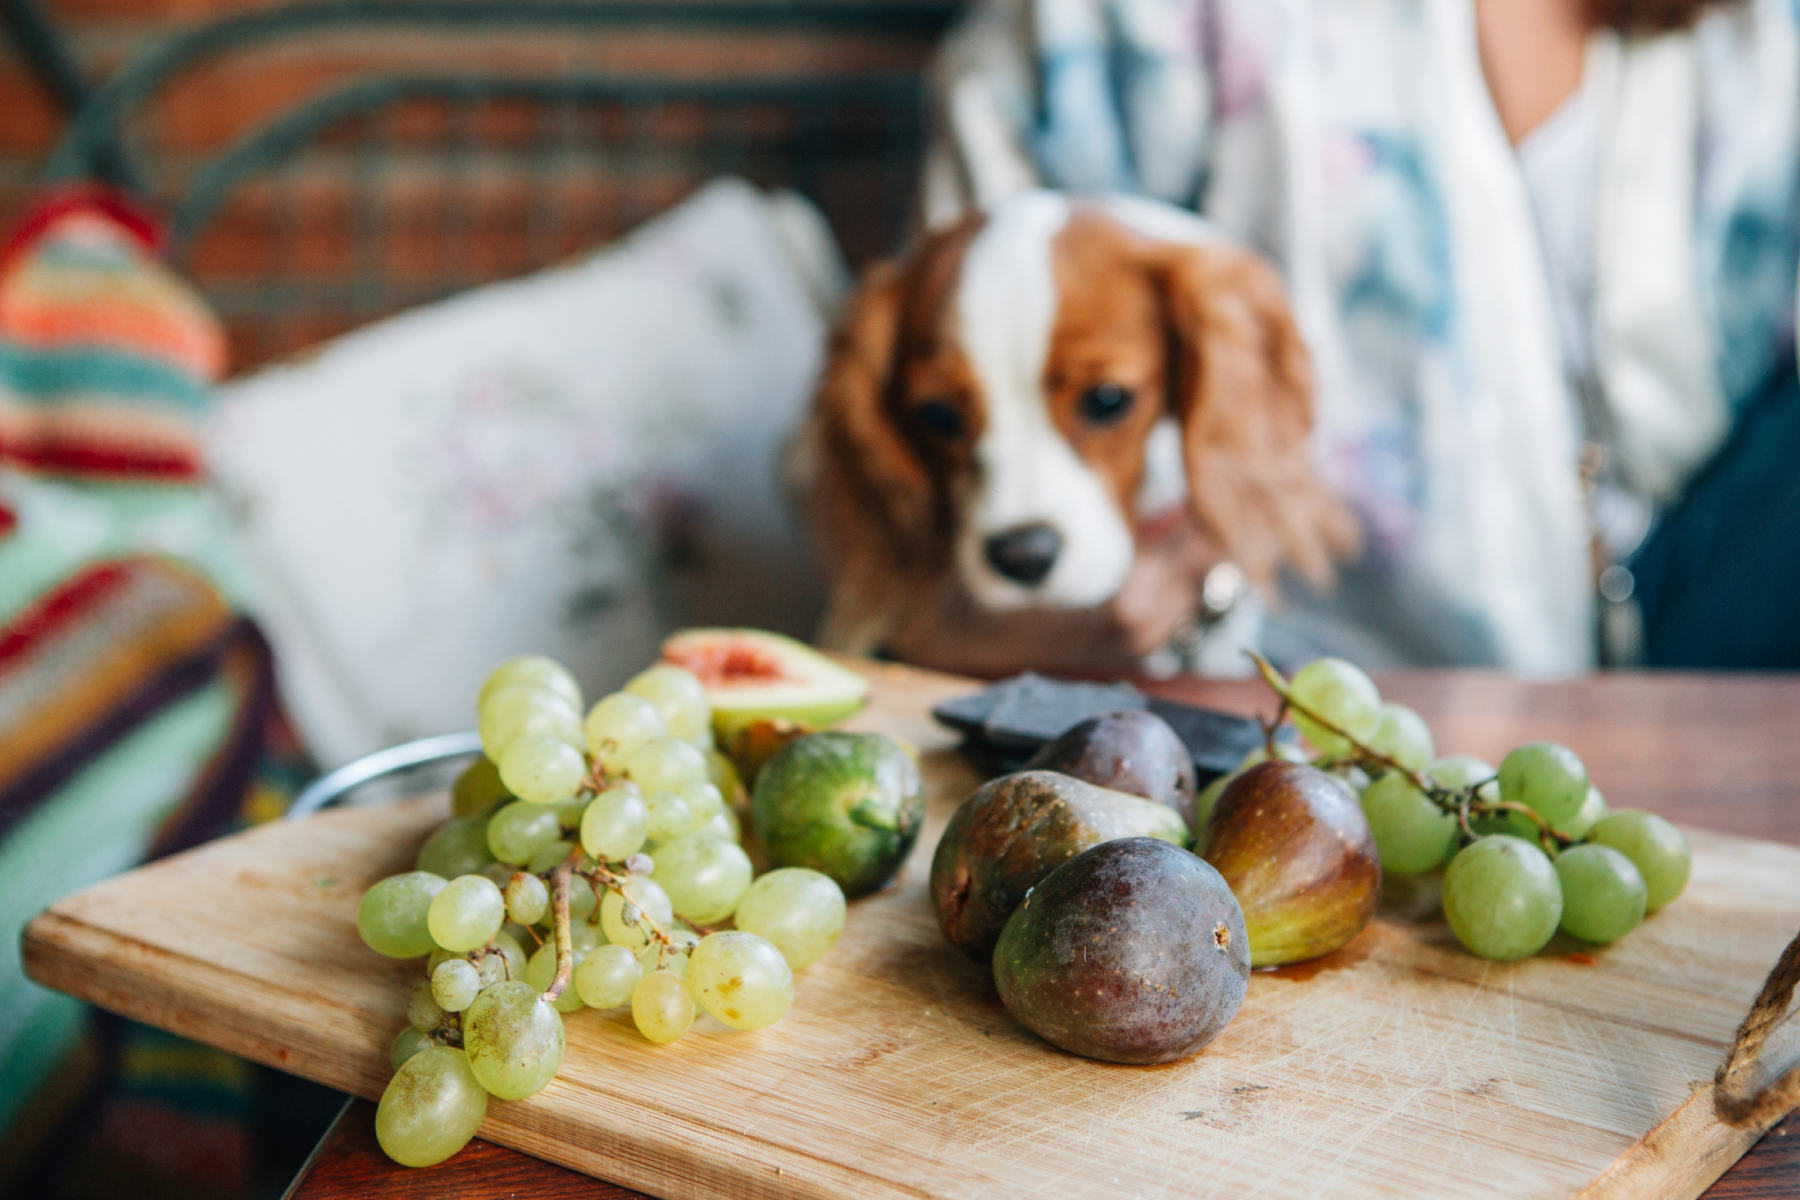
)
(585, 864)
(1532, 846)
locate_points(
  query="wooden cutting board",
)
(1400, 1066)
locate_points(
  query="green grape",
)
(619, 723)
(582, 900)
(455, 984)
(1603, 893)
(467, 913)
(797, 910)
(664, 765)
(430, 1108)
(679, 697)
(662, 1007)
(457, 847)
(1502, 898)
(1458, 771)
(1658, 850)
(407, 1042)
(534, 670)
(540, 973)
(514, 1040)
(607, 976)
(1208, 799)
(1351, 775)
(546, 858)
(511, 956)
(722, 773)
(703, 800)
(1592, 810)
(615, 825)
(585, 936)
(393, 917)
(542, 769)
(570, 811)
(672, 957)
(527, 899)
(723, 826)
(1412, 834)
(1343, 695)
(1404, 737)
(478, 791)
(648, 896)
(499, 873)
(423, 1012)
(515, 712)
(490, 968)
(1547, 778)
(1285, 751)
(1511, 824)
(668, 816)
(704, 877)
(520, 830)
(740, 979)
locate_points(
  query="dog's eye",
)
(1105, 403)
(940, 419)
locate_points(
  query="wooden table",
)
(1720, 752)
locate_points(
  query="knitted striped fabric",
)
(105, 353)
(137, 706)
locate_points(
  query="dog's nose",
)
(1025, 553)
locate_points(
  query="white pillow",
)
(572, 463)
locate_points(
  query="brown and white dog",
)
(1001, 408)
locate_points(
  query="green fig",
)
(1014, 831)
(1296, 849)
(848, 805)
(1132, 952)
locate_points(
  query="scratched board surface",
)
(1401, 1066)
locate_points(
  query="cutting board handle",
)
(1731, 1097)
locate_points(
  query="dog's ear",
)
(871, 497)
(1241, 384)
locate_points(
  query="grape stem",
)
(603, 876)
(565, 943)
(1461, 802)
(600, 876)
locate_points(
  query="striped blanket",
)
(137, 704)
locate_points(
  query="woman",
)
(1544, 254)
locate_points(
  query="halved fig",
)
(751, 675)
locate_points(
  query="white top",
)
(1560, 160)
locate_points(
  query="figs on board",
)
(1132, 952)
(1296, 849)
(848, 805)
(750, 675)
(1012, 832)
(1130, 750)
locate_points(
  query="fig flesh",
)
(1131, 952)
(1131, 751)
(1012, 832)
(1296, 849)
(848, 805)
(752, 675)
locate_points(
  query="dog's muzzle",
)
(1024, 554)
